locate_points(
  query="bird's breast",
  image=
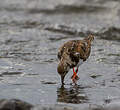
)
(80, 62)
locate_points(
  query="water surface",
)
(31, 31)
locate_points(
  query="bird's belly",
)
(80, 62)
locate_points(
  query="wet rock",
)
(66, 29)
(67, 107)
(44, 82)
(108, 33)
(12, 73)
(94, 75)
(61, 29)
(111, 33)
(14, 104)
(54, 107)
(107, 101)
(66, 9)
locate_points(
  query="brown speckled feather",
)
(72, 53)
(75, 49)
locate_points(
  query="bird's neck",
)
(88, 41)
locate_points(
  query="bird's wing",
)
(60, 52)
(83, 50)
(79, 51)
(66, 47)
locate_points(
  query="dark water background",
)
(31, 31)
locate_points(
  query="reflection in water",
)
(74, 94)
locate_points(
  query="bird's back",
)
(74, 50)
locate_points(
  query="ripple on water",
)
(75, 95)
(31, 35)
(45, 82)
(11, 73)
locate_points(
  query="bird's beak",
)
(62, 79)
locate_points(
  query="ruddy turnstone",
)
(71, 55)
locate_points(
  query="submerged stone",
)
(14, 104)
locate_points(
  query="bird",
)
(71, 55)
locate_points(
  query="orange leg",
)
(74, 76)
(76, 70)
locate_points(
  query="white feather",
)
(80, 62)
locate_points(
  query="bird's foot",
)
(74, 81)
(74, 77)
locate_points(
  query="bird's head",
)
(90, 38)
(62, 69)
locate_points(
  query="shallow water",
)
(31, 31)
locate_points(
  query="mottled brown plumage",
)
(71, 53)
